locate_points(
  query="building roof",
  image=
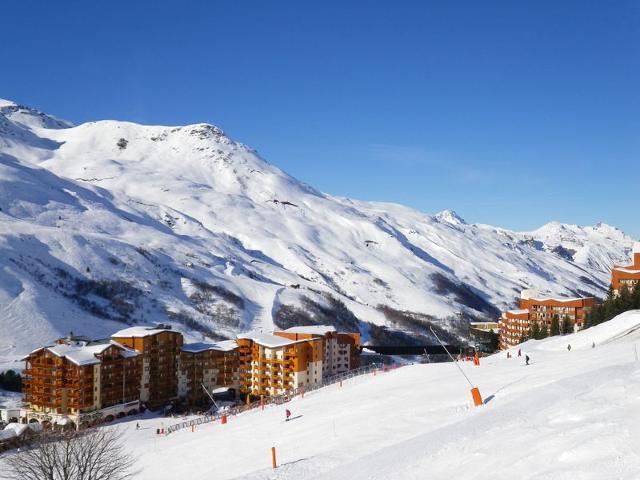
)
(636, 247)
(518, 311)
(626, 270)
(18, 429)
(562, 300)
(7, 434)
(312, 329)
(223, 346)
(142, 331)
(268, 340)
(85, 354)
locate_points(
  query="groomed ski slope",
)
(569, 415)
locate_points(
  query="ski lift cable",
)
(452, 359)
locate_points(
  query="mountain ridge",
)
(109, 222)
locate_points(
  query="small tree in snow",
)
(555, 326)
(96, 454)
(535, 330)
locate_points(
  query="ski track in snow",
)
(568, 415)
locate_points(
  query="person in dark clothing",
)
(526, 359)
(569, 347)
(288, 414)
(519, 352)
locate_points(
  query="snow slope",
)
(568, 415)
(110, 222)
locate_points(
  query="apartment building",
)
(273, 365)
(205, 367)
(160, 347)
(341, 351)
(628, 276)
(516, 324)
(86, 381)
(76, 377)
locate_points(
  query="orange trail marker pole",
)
(223, 419)
(273, 458)
(477, 398)
(474, 389)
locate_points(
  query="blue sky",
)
(512, 113)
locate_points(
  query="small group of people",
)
(526, 357)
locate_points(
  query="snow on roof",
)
(555, 299)
(267, 340)
(7, 434)
(223, 346)
(84, 354)
(141, 331)
(312, 329)
(636, 247)
(518, 311)
(19, 428)
(626, 270)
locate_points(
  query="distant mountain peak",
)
(30, 117)
(450, 216)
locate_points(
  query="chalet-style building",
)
(75, 377)
(516, 324)
(205, 367)
(629, 275)
(160, 348)
(83, 381)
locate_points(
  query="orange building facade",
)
(628, 276)
(206, 367)
(273, 365)
(74, 379)
(514, 325)
(151, 366)
(160, 348)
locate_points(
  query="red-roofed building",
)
(628, 276)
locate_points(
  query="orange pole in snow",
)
(477, 398)
(476, 359)
(273, 457)
(223, 419)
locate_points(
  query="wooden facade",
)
(160, 348)
(152, 365)
(81, 377)
(210, 367)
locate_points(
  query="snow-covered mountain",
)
(110, 222)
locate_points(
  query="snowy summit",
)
(108, 224)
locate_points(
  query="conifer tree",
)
(555, 326)
(567, 325)
(535, 330)
(544, 331)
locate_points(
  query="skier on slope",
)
(519, 352)
(287, 412)
(569, 347)
(526, 359)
